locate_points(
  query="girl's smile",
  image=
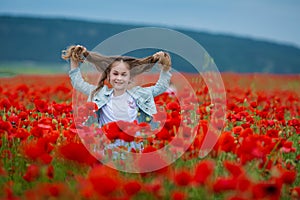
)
(119, 77)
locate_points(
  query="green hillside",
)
(41, 40)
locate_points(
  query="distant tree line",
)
(42, 39)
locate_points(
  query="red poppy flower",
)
(45, 158)
(13, 119)
(32, 173)
(38, 131)
(154, 188)
(35, 148)
(174, 106)
(163, 134)
(288, 147)
(132, 187)
(151, 162)
(41, 105)
(203, 126)
(182, 178)
(253, 104)
(112, 130)
(23, 88)
(226, 142)
(288, 177)
(149, 149)
(203, 171)
(5, 126)
(126, 137)
(177, 195)
(294, 122)
(49, 190)
(104, 180)
(144, 127)
(272, 133)
(224, 184)
(23, 115)
(235, 169)
(77, 152)
(91, 106)
(55, 189)
(50, 171)
(246, 132)
(62, 88)
(173, 123)
(265, 190)
(130, 128)
(237, 129)
(5, 103)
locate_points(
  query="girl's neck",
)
(119, 92)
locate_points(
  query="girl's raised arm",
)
(78, 83)
(75, 55)
(163, 82)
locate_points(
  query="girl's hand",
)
(76, 55)
(164, 60)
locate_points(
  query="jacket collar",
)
(132, 92)
(108, 92)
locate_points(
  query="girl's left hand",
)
(164, 59)
(75, 53)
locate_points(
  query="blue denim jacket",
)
(143, 96)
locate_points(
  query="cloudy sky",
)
(273, 20)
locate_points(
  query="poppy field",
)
(256, 155)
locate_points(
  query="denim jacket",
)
(143, 96)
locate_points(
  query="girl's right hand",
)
(76, 54)
(164, 59)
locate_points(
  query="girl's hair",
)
(104, 63)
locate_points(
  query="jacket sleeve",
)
(162, 84)
(78, 83)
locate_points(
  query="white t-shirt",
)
(121, 107)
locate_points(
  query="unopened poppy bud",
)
(207, 108)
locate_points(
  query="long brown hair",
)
(104, 63)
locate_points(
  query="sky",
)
(272, 20)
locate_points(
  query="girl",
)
(119, 102)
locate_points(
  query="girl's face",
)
(119, 76)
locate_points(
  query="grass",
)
(15, 68)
